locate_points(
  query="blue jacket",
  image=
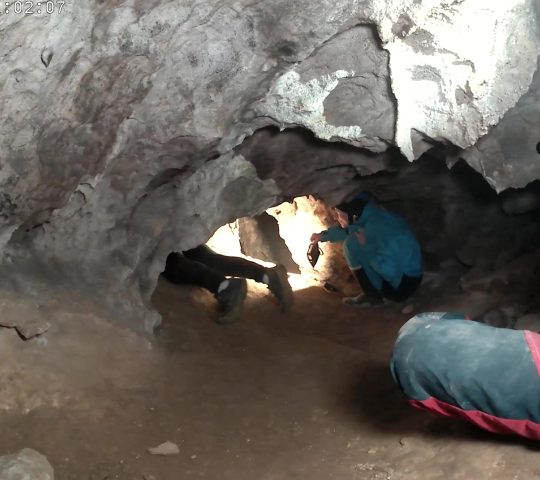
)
(390, 251)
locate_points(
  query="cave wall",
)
(508, 156)
(260, 238)
(119, 118)
(456, 215)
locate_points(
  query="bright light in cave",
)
(226, 242)
(297, 222)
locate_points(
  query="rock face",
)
(508, 156)
(531, 322)
(119, 119)
(341, 92)
(25, 465)
(466, 84)
(259, 238)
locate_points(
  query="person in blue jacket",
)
(380, 249)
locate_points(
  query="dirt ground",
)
(306, 395)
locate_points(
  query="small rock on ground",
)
(26, 464)
(167, 448)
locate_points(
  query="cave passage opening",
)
(472, 239)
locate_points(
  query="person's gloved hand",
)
(315, 237)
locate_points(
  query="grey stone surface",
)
(520, 275)
(119, 118)
(260, 238)
(508, 156)
(497, 318)
(301, 164)
(515, 311)
(408, 309)
(473, 305)
(29, 319)
(449, 85)
(341, 92)
(531, 322)
(25, 465)
(520, 201)
(167, 448)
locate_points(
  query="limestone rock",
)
(521, 274)
(30, 319)
(259, 238)
(520, 201)
(508, 155)
(472, 304)
(408, 309)
(26, 464)
(497, 318)
(167, 448)
(432, 50)
(339, 93)
(301, 165)
(531, 322)
(513, 312)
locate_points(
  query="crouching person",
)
(380, 249)
(459, 368)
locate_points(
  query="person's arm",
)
(333, 235)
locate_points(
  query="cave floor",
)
(306, 395)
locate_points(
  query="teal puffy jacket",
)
(390, 251)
